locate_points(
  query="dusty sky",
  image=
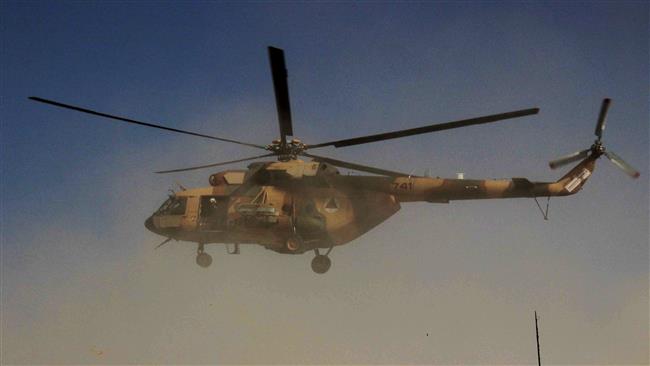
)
(81, 283)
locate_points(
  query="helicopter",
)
(292, 206)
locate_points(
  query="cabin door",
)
(213, 213)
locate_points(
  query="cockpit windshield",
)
(173, 206)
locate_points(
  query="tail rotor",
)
(621, 164)
(602, 118)
(568, 159)
(597, 149)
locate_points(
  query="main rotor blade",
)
(602, 116)
(281, 88)
(109, 116)
(213, 165)
(354, 166)
(427, 129)
(621, 164)
(567, 159)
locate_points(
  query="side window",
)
(178, 206)
(173, 206)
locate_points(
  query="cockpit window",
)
(173, 206)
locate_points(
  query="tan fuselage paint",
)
(356, 203)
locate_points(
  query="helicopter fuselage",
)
(274, 201)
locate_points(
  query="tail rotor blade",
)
(600, 126)
(621, 164)
(578, 155)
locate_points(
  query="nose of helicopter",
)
(150, 225)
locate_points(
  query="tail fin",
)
(573, 181)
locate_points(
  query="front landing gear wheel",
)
(321, 263)
(204, 260)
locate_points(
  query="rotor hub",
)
(288, 150)
(598, 148)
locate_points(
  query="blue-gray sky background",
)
(82, 284)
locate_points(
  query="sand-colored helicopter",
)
(293, 206)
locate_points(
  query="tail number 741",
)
(405, 186)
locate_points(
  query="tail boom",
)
(444, 190)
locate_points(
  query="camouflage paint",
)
(328, 209)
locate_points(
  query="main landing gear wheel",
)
(203, 259)
(321, 263)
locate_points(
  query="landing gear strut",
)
(234, 251)
(321, 263)
(203, 259)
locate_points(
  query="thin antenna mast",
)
(539, 360)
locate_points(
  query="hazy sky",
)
(81, 282)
